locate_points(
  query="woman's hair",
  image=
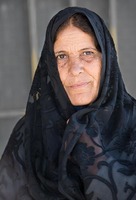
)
(80, 21)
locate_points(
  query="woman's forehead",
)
(73, 39)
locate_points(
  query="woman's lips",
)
(79, 85)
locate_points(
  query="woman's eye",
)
(61, 57)
(88, 53)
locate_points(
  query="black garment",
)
(57, 152)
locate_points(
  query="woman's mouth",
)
(79, 85)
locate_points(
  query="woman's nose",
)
(75, 66)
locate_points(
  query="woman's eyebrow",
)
(82, 49)
(89, 48)
(58, 52)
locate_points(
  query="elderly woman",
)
(77, 140)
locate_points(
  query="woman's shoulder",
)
(13, 179)
(16, 138)
(13, 154)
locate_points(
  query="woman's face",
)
(79, 65)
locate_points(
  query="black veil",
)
(69, 154)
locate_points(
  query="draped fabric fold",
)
(59, 153)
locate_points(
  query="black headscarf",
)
(77, 154)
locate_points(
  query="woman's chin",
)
(80, 101)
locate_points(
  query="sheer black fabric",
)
(57, 152)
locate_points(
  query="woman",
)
(77, 140)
